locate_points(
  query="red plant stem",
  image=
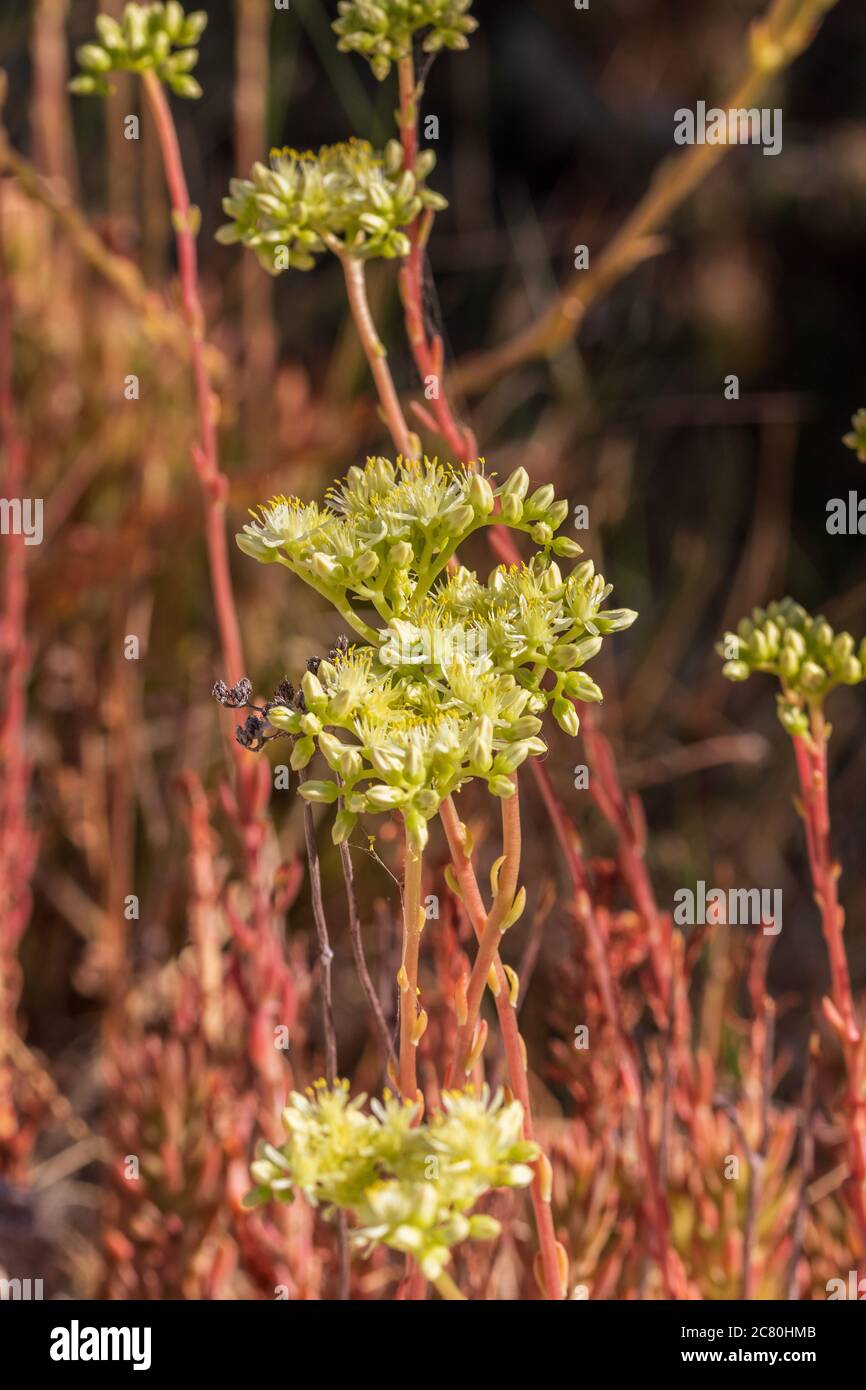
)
(625, 817)
(811, 758)
(515, 1052)
(374, 350)
(427, 352)
(628, 1061)
(205, 453)
(408, 976)
(491, 935)
(252, 779)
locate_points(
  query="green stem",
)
(413, 922)
(448, 1289)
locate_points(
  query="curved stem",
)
(205, 453)
(427, 352)
(358, 951)
(491, 935)
(413, 921)
(515, 1051)
(374, 350)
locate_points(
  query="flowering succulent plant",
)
(458, 678)
(408, 1186)
(382, 31)
(803, 652)
(389, 529)
(348, 198)
(148, 38)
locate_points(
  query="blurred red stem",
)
(427, 352)
(811, 757)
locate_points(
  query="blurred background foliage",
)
(548, 131)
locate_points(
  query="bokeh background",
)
(550, 127)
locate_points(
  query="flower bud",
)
(795, 641)
(288, 721)
(524, 727)
(322, 792)
(344, 824)
(381, 797)
(615, 619)
(480, 746)
(812, 676)
(426, 801)
(564, 656)
(736, 671)
(566, 716)
(501, 786)
(339, 707)
(483, 1227)
(541, 500)
(366, 565)
(541, 533)
(850, 672)
(511, 510)
(400, 555)
(325, 567)
(314, 695)
(793, 719)
(416, 831)
(843, 648)
(517, 485)
(579, 686)
(388, 762)
(511, 757)
(460, 519)
(302, 753)
(565, 547)
(789, 663)
(481, 494)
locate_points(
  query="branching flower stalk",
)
(553, 1270)
(506, 908)
(453, 689)
(810, 660)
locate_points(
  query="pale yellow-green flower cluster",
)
(409, 1187)
(389, 529)
(412, 740)
(147, 38)
(804, 653)
(454, 685)
(382, 31)
(348, 198)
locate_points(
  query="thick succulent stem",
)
(515, 1051)
(491, 935)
